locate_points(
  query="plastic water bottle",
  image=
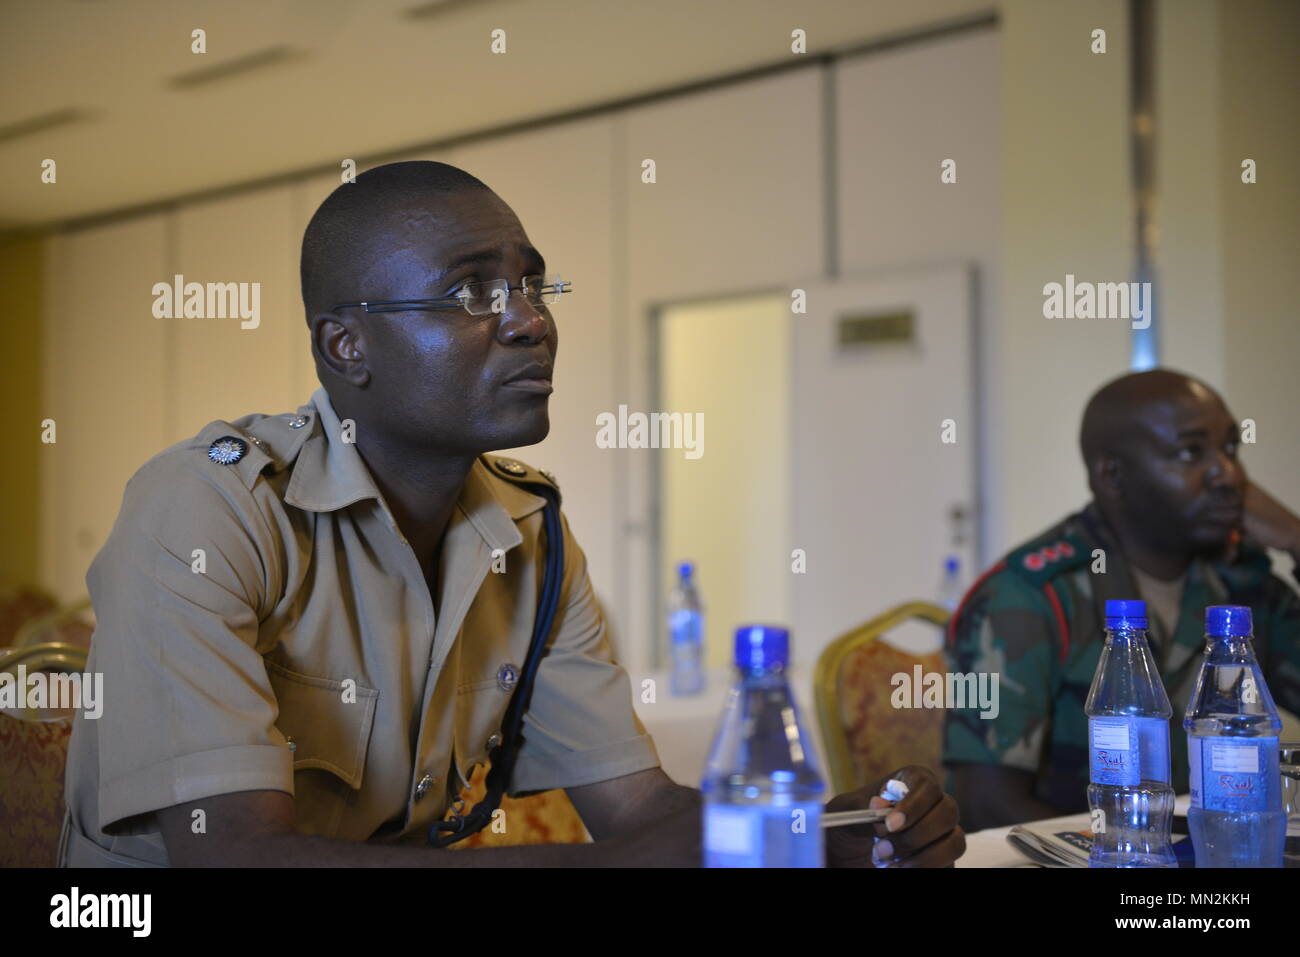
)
(686, 631)
(762, 791)
(1236, 818)
(1130, 798)
(950, 585)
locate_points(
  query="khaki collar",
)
(329, 474)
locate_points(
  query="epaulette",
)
(1042, 560)
(251, 443)
(518, 473)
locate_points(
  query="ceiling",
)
(112, 92)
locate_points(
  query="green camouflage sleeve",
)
(1005, 627)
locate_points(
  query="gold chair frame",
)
(38, 655)
(826, 681)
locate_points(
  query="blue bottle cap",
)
(762, 648)
(1224, 621)
(1126, 613)
(950, 564)
(686, 569)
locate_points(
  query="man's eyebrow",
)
(488, 254)
(1200, 433)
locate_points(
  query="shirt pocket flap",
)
(327, 721)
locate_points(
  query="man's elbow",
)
(245, 829)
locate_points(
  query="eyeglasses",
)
(477, 298)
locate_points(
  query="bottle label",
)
(763, 835)
(1232, 774)
(1125, 751)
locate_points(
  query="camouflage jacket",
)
(1036, 619)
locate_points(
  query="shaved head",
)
(351, 228)
(1115, 413)
(1161, 452)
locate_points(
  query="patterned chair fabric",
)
(34, 744)
(882, 738)
(545, 818)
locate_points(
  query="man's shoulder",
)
(514, 477)
(226, 456)
(1052, 553)
(1018, 579)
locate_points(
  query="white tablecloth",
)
(989, 848)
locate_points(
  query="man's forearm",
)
(665, 802)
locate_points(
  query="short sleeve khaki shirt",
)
(263, 624)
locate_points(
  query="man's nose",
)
(1225, 470)
(522, 321)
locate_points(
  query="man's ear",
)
(338, 344)
(1107, 474)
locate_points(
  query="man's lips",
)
(1225, 513)
(534, 377)
(540, 386)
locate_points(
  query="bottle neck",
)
(1229, 649)
(1125, 635)
(762, 677)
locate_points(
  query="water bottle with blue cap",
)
(1236, 818)
(1129, 795)
(762, 790)
(686, 634)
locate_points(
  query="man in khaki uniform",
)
(310, 624)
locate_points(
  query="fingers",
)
(941, 853)
(922, 796)
(940, 822)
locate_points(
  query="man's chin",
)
(519, 438)
(1212, 540)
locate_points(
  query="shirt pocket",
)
(480, 712)
(330, 734)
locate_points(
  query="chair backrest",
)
(34, 743)
(864, 735)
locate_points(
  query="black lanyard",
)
(502, 757)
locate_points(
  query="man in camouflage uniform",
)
(1171, 504)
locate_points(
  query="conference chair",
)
(34, 742)
(864, 736)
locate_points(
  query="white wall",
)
(103, 385)
(1261, 232)
(900, 114)
(216, 369)
(1067, 209)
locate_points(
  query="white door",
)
(883, 440)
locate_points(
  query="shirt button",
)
(507, 677)
(493, 741)
(422, 788)
(297, 422)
